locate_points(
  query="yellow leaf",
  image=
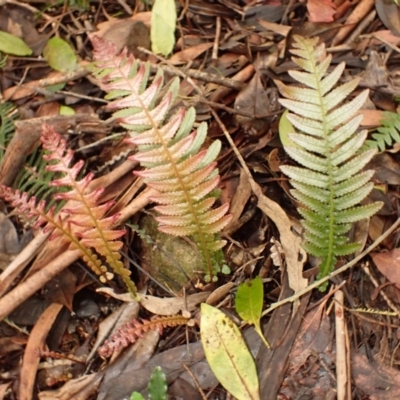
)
(227, 354)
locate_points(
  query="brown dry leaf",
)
(385, 35)
(387, 169)
(276, 28)
(132, 370)
(376, 73)
(295, 256)
(172, 305)
(36, 342)
(184, 56)
(360, 233)
(125, 33)
(61, 289)
(389, 13)
(218, 294)
(11, 343)
(76, 389)
(238, 202)
(162, 305)
(3, 389)
(389, 265)
(9, 244)
(28, 89)
(378, 381)
(377, 226)
(314, 336)
(371, 118)
(257, 100)
(321, 10)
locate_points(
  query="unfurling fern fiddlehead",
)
(184, 176)
(330, 185)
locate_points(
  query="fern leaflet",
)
(330, 185)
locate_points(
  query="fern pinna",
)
(184, 176)
(330, 186)
(82, 220)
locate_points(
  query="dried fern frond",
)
(134, 330)
(330, 185)
(82, 221)
(387, 134)
(169, 150)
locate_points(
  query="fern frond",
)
(387, 134)
(330, 184)
(134, 330)
(7, 117)
(168, 149)
(35, 179)
(82, 221)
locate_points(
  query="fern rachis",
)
(329, 185)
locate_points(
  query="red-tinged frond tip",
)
(103, 49)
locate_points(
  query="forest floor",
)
(231, 56)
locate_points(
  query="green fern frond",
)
(81, 222)
(7, 117)
(330, 184)
(35, 179)
(184, 176)
(387, 134)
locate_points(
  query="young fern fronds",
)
(330, 185)
(184, 176)
(82, 221)
(387, 134)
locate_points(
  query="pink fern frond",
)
(168, 148)
(132, 331)
(82, 221)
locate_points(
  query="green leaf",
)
(136, 396)
(65, 110)
(163, 25)
(228, 355)
(158, 385)
(55, 88)
(11, 44)
(249, 301)
(60, 55)
(285, 128)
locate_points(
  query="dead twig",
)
(342, 368)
